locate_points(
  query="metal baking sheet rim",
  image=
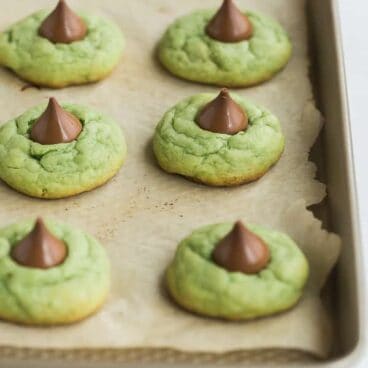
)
(358, 352)
(358, 355)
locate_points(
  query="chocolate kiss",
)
(241, 251)
(55, 125)
(229, 24)
(223, 115)
(39, 249)
(63, 25)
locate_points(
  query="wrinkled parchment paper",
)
(141, 215)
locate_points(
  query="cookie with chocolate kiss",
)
(56, 272)
(70, 149)
(237, 272)
(218, 139)
(57, 47)
(225, 47)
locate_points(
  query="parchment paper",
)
(141, 215)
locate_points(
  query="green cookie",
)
(36, 59)
(182, 147)
(188, 52)
(58, 295)
(199, 285)
(65, 169)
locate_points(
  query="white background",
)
(354, 26)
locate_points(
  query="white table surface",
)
(354, 25)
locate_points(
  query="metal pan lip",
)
(357, 356)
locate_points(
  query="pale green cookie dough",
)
(63, 294)
(188, 52)
(65, 169)
(199, 285)
(182, 147)
(38, 60)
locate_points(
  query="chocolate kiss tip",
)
(229, 24)
(39, 249)
(239, 224)
(222, 115)
(241, 251)
(55, 125)
(63, 25)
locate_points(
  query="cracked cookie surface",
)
(182, 147)
(188, 52)
(63, 294)
(200, 285)
(44, 63)
(65, 169)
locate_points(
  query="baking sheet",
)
(142, 213)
